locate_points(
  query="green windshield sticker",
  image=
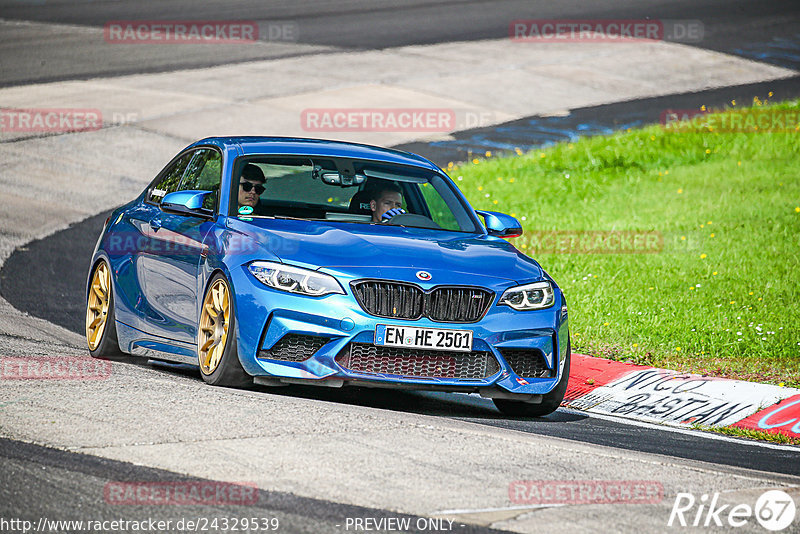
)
(245, 210)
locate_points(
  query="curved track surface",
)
(62, 484)
(54, 270)
(63, 40)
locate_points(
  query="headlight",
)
(534, 296)
(295, 279)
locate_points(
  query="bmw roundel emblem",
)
(424, 275)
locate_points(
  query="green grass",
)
(758, 435)
(721, 297)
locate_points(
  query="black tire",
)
(228, 372)
(550, 401)
(108, 345)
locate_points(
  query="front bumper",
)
(332, 325)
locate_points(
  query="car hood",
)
(381, 251)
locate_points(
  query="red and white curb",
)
(653, 395)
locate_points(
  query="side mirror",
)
(500, 224)
(187, 203)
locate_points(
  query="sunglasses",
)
(247, 186)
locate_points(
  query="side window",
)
(171, 179)
(440, 211)
(204, 173)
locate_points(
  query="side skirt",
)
(139, 343)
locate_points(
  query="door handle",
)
(155, 224)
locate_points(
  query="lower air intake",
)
(527, 363)
(419, 363)
(294, 348)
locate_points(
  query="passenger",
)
(251, 185)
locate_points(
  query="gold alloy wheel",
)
(214, 320)
(97, 305)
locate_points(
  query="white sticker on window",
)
(158, 193)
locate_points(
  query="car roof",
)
(251, 145)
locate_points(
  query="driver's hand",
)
(391, 213)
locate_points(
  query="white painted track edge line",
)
(687, 431)
(523, 507)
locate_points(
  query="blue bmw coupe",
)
(300, 261)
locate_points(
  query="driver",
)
(386, 202)
(251, 185)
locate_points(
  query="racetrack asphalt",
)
(538, 131)
(46, 279)
(64, 40)
(67, 486)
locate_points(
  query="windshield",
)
(347, 190)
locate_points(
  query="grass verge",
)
(782, 439)
(719, 295)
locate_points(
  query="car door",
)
(170, 262)
(131, 239)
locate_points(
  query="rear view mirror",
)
(337, 178)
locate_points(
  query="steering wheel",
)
(412, 219)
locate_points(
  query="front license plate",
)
(423, 338)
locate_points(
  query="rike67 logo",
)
(774, 510)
